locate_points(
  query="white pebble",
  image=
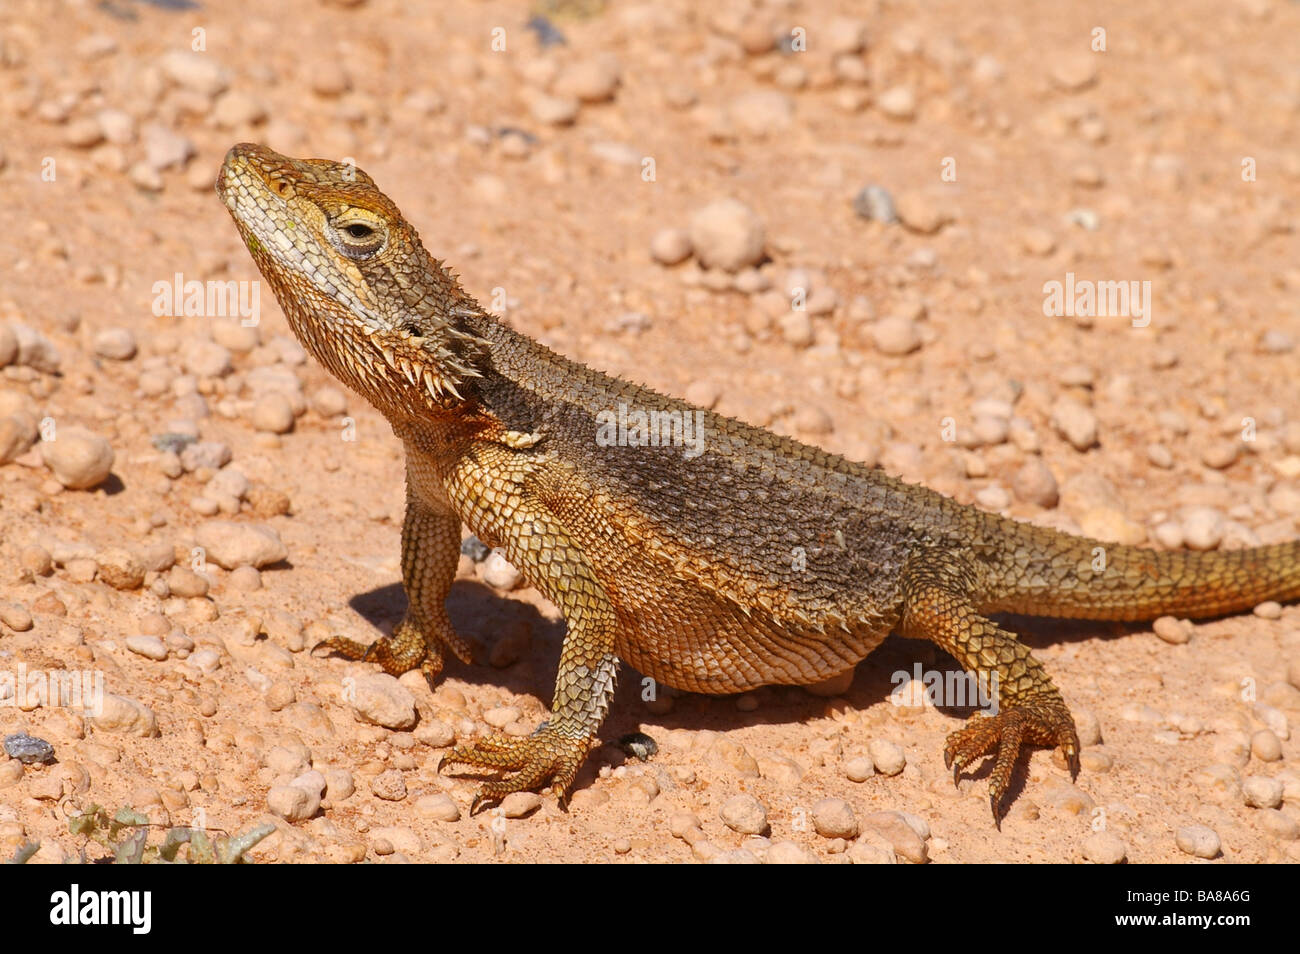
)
(895, 335)
(670, 246)
(727, 234)
(116, 344)
(439, 807)
(1199, 841)
(744, 814)
(1172, 630)
(151, 647)
(834, 818)
(1074, 422)
(293, 803)
(381, 700)
(1203, 528)
(1104, 848)
(519, 804)
(1260, 791)
(230, 545)
(79, 459)
(888, 757)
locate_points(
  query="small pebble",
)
(35, 559)
(1222, 455)
(390, 785)
(16, 617)
(919, 212)
(273, 414)
(1075, 422)
(497, 571)
(245, 579)
(670, 246)
(789, 853)
(380, 699)
(897, 102)
(682, 823)
(833, 818)
(1034, 483)
(79, 459)
(1260, 791)
(875, 203)
(1203, 528)
(440, 807)
(727, 234)
(895, 335)
(858, 769)
(1199, 841)
(229, 544)
(501, 716)
(519, 804)
(293, 803)
(1160, 456)
(28, 749)
(592, 80)
(1104, 848)
(1266, 746)
(888, 757)
(744, 814)
(1172, 630)
(116, 344)
(907, 842)
(151, 647)
(1269, 610)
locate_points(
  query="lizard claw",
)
(405, 650)
(1036, 724)
(528, 763)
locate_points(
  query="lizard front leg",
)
(539, 545)
(938, 606)
(430, 554)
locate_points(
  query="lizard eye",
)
(358, 239)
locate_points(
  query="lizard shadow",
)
(482, 616)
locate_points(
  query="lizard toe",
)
(1048, 723)
(545, 756)
(405, 650)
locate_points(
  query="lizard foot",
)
(405, 650)
(1034, 724)
(533, 760)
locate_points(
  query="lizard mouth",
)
(236, 159)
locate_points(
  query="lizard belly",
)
(689, 638)
(684, 633)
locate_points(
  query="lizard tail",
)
(1074, 577)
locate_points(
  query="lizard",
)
(751, 560)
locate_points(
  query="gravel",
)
(744, 814)
(28, 749)
(78, 458)
(727, 234)
(381, 700)
(1199, 841)
(834, 818)
(230, 545)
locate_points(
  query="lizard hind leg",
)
(1030, 709)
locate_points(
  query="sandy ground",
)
(1016, 155)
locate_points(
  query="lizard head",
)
(353, 279)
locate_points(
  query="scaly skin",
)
(759, 560)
